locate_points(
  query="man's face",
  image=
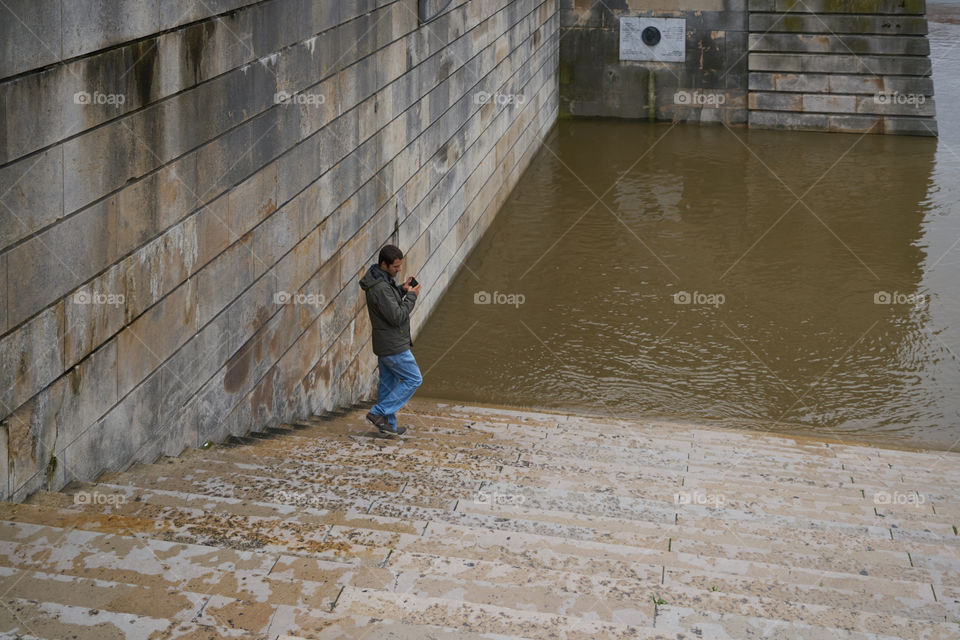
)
(392, 269)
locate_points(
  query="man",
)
(389, 307)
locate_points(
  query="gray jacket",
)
(389, 308)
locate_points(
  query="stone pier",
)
(858, 66)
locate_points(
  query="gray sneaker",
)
(380, 422)
(386, 428)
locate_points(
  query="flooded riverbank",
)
(804, 282)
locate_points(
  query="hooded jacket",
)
(389, 308)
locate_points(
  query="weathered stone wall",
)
(181, 239)
(710, 85)
(821, 65)
(841, 65)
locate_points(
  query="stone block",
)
(306, 63)
(90, 389)
(357, 82)
(209, 406)
(855, 84)
(367, 117)
(93, 313)
(895, 65)
(114, 441)
(350, 217)
(403, 92)
(918, 86)
(225, 101)
(91, 25)
(192, 365)
(802, 83)
(317, 385)
(300, 166)
(844, 45)
(159, 267)
(736, 116)
(153, 337)
(885, 45)
(320, 105)
(357, 38)
(897, 104)
(855, 124)
(334, 318)
(89, 174)
(275, 237)
(255, 356)
(276, 25)
(775, 62)
(789, 120)
(239, 153)
(31, 432)
(174, 13)
(837, 24)
(292, 368)
(910, 126)
(763, 81)
(4, 462)
(331, 237)
(255, 199)
(152, 205)
(325, 14)
(29, 35)
(224, 278)
(249, 312)
(205, 50)
(906, 7)
(391, 63)
(54, 418)
(182, 428)
(3, 293)
(213, 230)
(404, 19)
(38, 110)
(829, 103)
(29, 197)
(325, 282)
(30, 358)
(49, 265)
(296, 267)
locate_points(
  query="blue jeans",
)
(399, 379)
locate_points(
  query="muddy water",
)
(797, 282)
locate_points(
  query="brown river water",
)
(804, 283)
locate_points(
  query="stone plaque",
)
(659, 39)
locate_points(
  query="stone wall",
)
(841, 65)
(190, 191)
(710, 85)
(821, 65)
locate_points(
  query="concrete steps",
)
(491, 523)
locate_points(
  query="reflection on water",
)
(801, 282)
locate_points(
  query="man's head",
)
(391, 259)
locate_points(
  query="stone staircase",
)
(494, 523)
(840, 65)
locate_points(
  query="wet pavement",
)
(493, 522)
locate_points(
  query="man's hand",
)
(407, 287)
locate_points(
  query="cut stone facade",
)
(822, 65)
(190, 191)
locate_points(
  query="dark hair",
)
(390, 254)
